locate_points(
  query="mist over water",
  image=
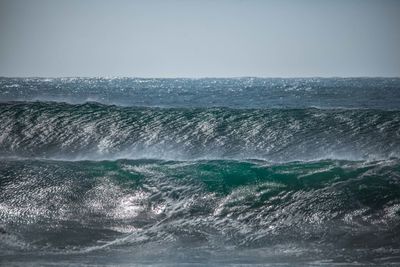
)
(125, 171)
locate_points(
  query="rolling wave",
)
(97, 132)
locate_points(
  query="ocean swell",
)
(208, 171)
(97, 132)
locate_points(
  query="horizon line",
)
(201, 77)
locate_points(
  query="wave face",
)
(289, 172)
(93, 131)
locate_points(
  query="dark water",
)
(275, 172)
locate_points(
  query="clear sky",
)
(200, 38)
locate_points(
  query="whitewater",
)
(200, 172)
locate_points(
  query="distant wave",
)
(238, 93)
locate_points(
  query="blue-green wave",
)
(248, 204)
(97, 132)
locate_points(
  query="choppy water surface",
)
(287, 172)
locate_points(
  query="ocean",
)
(200, 172)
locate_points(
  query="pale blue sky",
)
(200, 38)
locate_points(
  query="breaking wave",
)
(97, 132)
(129, 204)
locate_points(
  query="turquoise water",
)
(288, 172)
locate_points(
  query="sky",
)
(203, 38)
